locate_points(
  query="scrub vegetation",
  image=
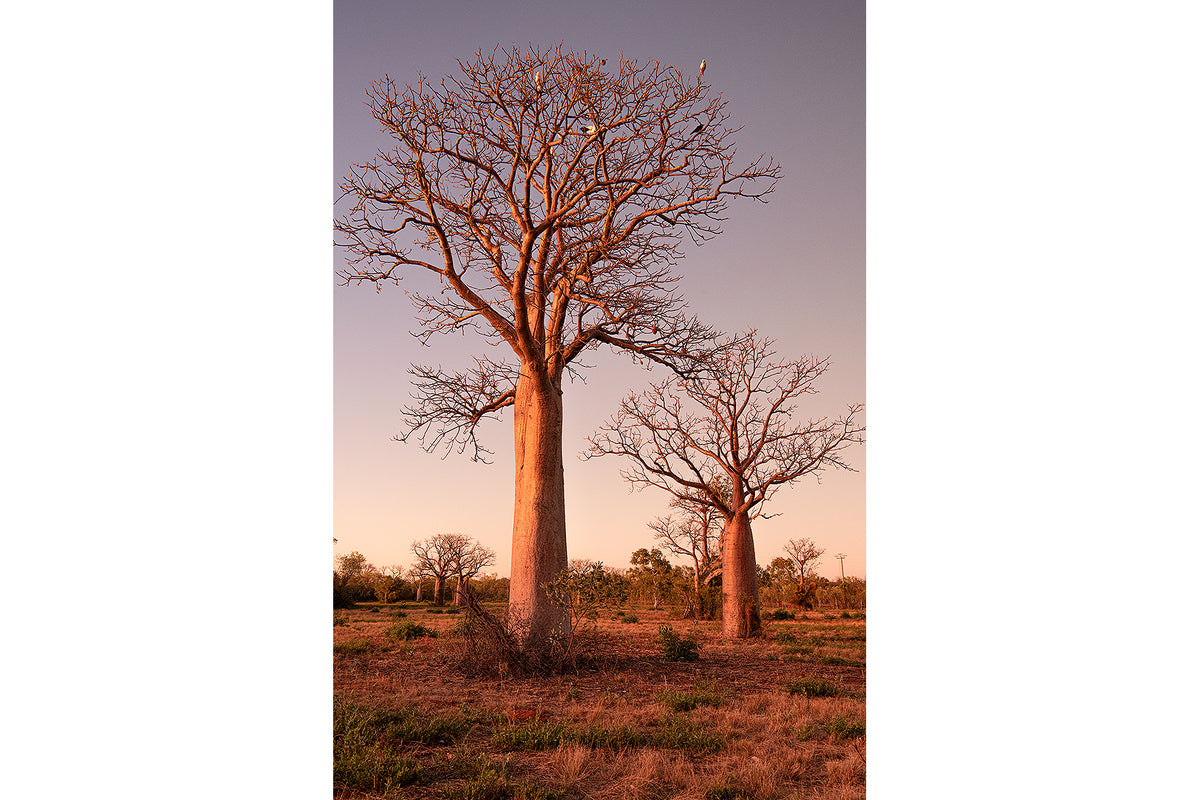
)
(750, 718)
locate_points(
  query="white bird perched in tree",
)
(537, 80)
(591, 130)
(703, 64)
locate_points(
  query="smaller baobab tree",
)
(734, 420)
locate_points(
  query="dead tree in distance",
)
(549, 197)
(735, 419)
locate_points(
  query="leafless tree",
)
(736, 420)
(804, 555)
(548, 196)
(694, 534)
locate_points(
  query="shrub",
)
(813, 687)
(629, 619)
(339, 619)
(675, 648)
(846, 726)
(409, 630)
(779, 614)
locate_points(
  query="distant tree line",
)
(448, 563)
(444, 565)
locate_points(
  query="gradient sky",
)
(793, 74)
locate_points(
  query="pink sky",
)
(794, 269)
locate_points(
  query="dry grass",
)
(775, 744)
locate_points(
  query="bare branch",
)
(450, 406)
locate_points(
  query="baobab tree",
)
(472, 557)
(735, 419)
(548, 196)
(437, 557)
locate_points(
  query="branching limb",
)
(450, 406)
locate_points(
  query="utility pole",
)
(842, 558)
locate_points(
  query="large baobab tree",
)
(548, 197)
(734, 420)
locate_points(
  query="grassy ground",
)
(781, 716)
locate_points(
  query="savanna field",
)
(777, 716)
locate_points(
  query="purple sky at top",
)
(793, 74)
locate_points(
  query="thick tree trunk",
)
(420, 583)
(439, 590)
(739, 580)
(539, 542)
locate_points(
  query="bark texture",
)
(539, 540)
(739, 582)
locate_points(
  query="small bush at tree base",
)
(779, 614)
(675, 648)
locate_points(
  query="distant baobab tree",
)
(805, 555)
(545, 240)
(734, 420)
(694, 534)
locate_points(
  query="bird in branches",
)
(703, 64)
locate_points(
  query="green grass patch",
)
(364, 756)
(687, 701)
(846, 726)
(814, 687)
(838, 661)
(779, 614)
(726, 792)
(533, 736)
(629, 619)
(595, 736)
(809, 731)
(350, 647)
(485, 779)
(678, 733)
